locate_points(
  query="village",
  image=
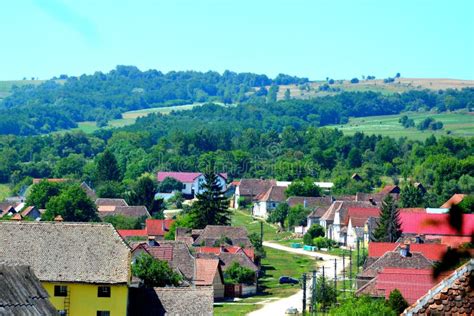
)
(161, 268)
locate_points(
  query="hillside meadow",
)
(455, 124)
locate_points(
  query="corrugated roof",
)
(67, 252)
(431, 251)
(21, 293)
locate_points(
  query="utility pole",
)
(343, 272)
(350, 268)
(304, 293)
(335, 275)
(261, 233)
(358, 255)
(314, 309)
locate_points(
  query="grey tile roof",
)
(172, 301)
(67, 252)
(21, 293)
(393, 259)
(110, 202)
(254, 187)
(129, 211)
(212, 233)
(89, 192)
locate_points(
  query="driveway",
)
(278, 307)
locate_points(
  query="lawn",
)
(276, 264)
(458, 124)
(270, 232)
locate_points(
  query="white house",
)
(268, 201)
(192, 181)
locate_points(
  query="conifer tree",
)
(107, 167)
(389, 223)
(211, 207)
(411, 196)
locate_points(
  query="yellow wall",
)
(84, 300)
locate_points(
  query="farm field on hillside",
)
(459, 124)
(130, 116)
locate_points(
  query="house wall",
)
(218, 286)
(236, 197)
(84, 300)
(260, 209)
(351, 235)
(188, 188)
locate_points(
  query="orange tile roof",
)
(454, 200)
(206, 270)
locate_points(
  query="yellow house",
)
(84, 267)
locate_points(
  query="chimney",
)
(405, 250)
(305, 203)
(419, 239)
(151, 241)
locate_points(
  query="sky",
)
(340, 39)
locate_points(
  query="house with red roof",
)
(209, 273)
(154, 229)
(249, 252)
(356, 223)
(412, 283)
(434, 226)
(454, 200)
(192, 181)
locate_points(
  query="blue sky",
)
(312, 38)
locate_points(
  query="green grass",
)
(276, 264)
(4, 191)
(270, 232)
(459, 124)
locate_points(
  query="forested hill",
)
(60, 103)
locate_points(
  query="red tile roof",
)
(434, 224)
(230, 249)
(185, 177)
(455, 241)
(158, 227)
(206, 270)
(413, 210)
(412, 283)
(390, 189)
(454, 200)
(431, 251)
(124, 233)
(360, 215)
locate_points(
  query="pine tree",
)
(107, 167)
(211, 207)
(389, 223)
(397, 302)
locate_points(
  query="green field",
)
(458, 124)
(131, 116)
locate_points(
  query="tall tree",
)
(73, 205)
(42, 192)
(411, 196)
(279, 214)
(211, 207)
(143, 192)
(154, 272)
(107, 167)
(389, 225)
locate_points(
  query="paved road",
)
(278, 307)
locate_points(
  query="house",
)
(213, 235)
(6, 209)
(249, 189)
(432, 251)
(388, 189)
(266, 202)
(434, 225)
(209, 273)
(192, 181)
(412, 283)
(154, 228)
(231, 249)
(318, 205)
(127, 211)
(31, 212)
(172, 301)
(176, 253)
(106, 204)
(335, 218)
(402, 259)
(454, 200)
(451, 296)
(21, 293)
(89, 191)
(420, 187)
(51, 180)
(356, 177)
(356, 222)
(84, 267)
(375, 198)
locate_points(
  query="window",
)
(103, 313)
(103, 291)
(60, 290)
